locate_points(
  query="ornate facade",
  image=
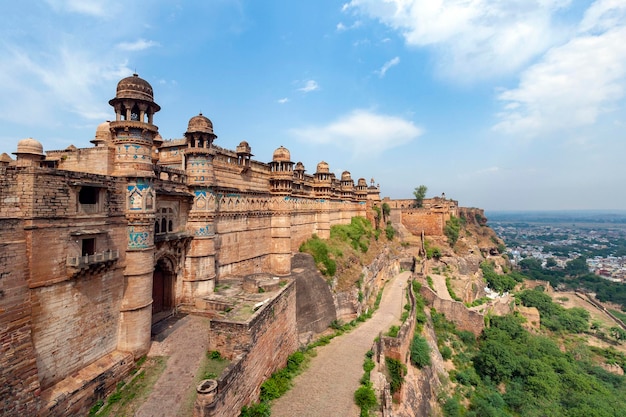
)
(96, 244)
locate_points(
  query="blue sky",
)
(504, 105)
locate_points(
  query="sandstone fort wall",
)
(19, 379)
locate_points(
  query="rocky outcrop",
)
(315, 307)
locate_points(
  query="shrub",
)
(420, 352)
(446, 352)
(320, 252)
(365, 398)
(261, 409)
(452, 229)
(390, 232)
(393, 331)
(397, 370)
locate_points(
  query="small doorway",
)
(162, 291)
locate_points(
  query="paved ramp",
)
(326, 388)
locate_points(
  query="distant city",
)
(558, 237)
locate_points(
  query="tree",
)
(551, 263)
(420, 193)
(386, 212)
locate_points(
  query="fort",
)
(98, 244)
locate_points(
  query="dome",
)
(323, 167)
(299, 167)
(201, 124)
(244, 148)
(4, 158)
(29, 146)
(282, 154)
(136, 88)
(362, 182)
(345, 176)
(103, 132)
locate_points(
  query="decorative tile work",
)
(138, 239)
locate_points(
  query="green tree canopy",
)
(420, 194)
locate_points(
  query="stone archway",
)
(163, 297)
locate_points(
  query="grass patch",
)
(365, 396)
(451, 291)
(211, 367)
(129, 395)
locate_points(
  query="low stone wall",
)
(398, 347)
(76, 394)
(257, 347)
(456, 312)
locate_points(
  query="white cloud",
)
(573, 84)
(604, 15)
(362, 132)
(283, 100)
(138, 45)
(67, 79)
(391, 63)
(97, 8)
(309, 85)
(472, 39)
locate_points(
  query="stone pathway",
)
(185, 341)
(326, 388)
(439, 282)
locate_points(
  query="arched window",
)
(156, 228)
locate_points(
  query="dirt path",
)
(327, 387)
(439, 282)
(185, 341)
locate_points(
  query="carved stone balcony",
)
(95, 261)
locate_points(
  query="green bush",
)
(261, 409)
(320, 252)
(420, 352)
(393, 331)
(397, 371)
(446, 352)
(497, 282)
(554, 316)
(365, 398)
(452, 229)
(390, 232)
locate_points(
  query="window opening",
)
(88, 195)
(88, 246)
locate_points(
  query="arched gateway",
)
(163, 284)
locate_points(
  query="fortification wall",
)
(75, 323)
(19, 380)
(97, 160)
(424, 220)
(258, 347)
(456, 312)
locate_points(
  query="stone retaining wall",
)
(257, 347)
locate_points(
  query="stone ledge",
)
(77, 393)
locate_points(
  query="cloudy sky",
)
(504, 105)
